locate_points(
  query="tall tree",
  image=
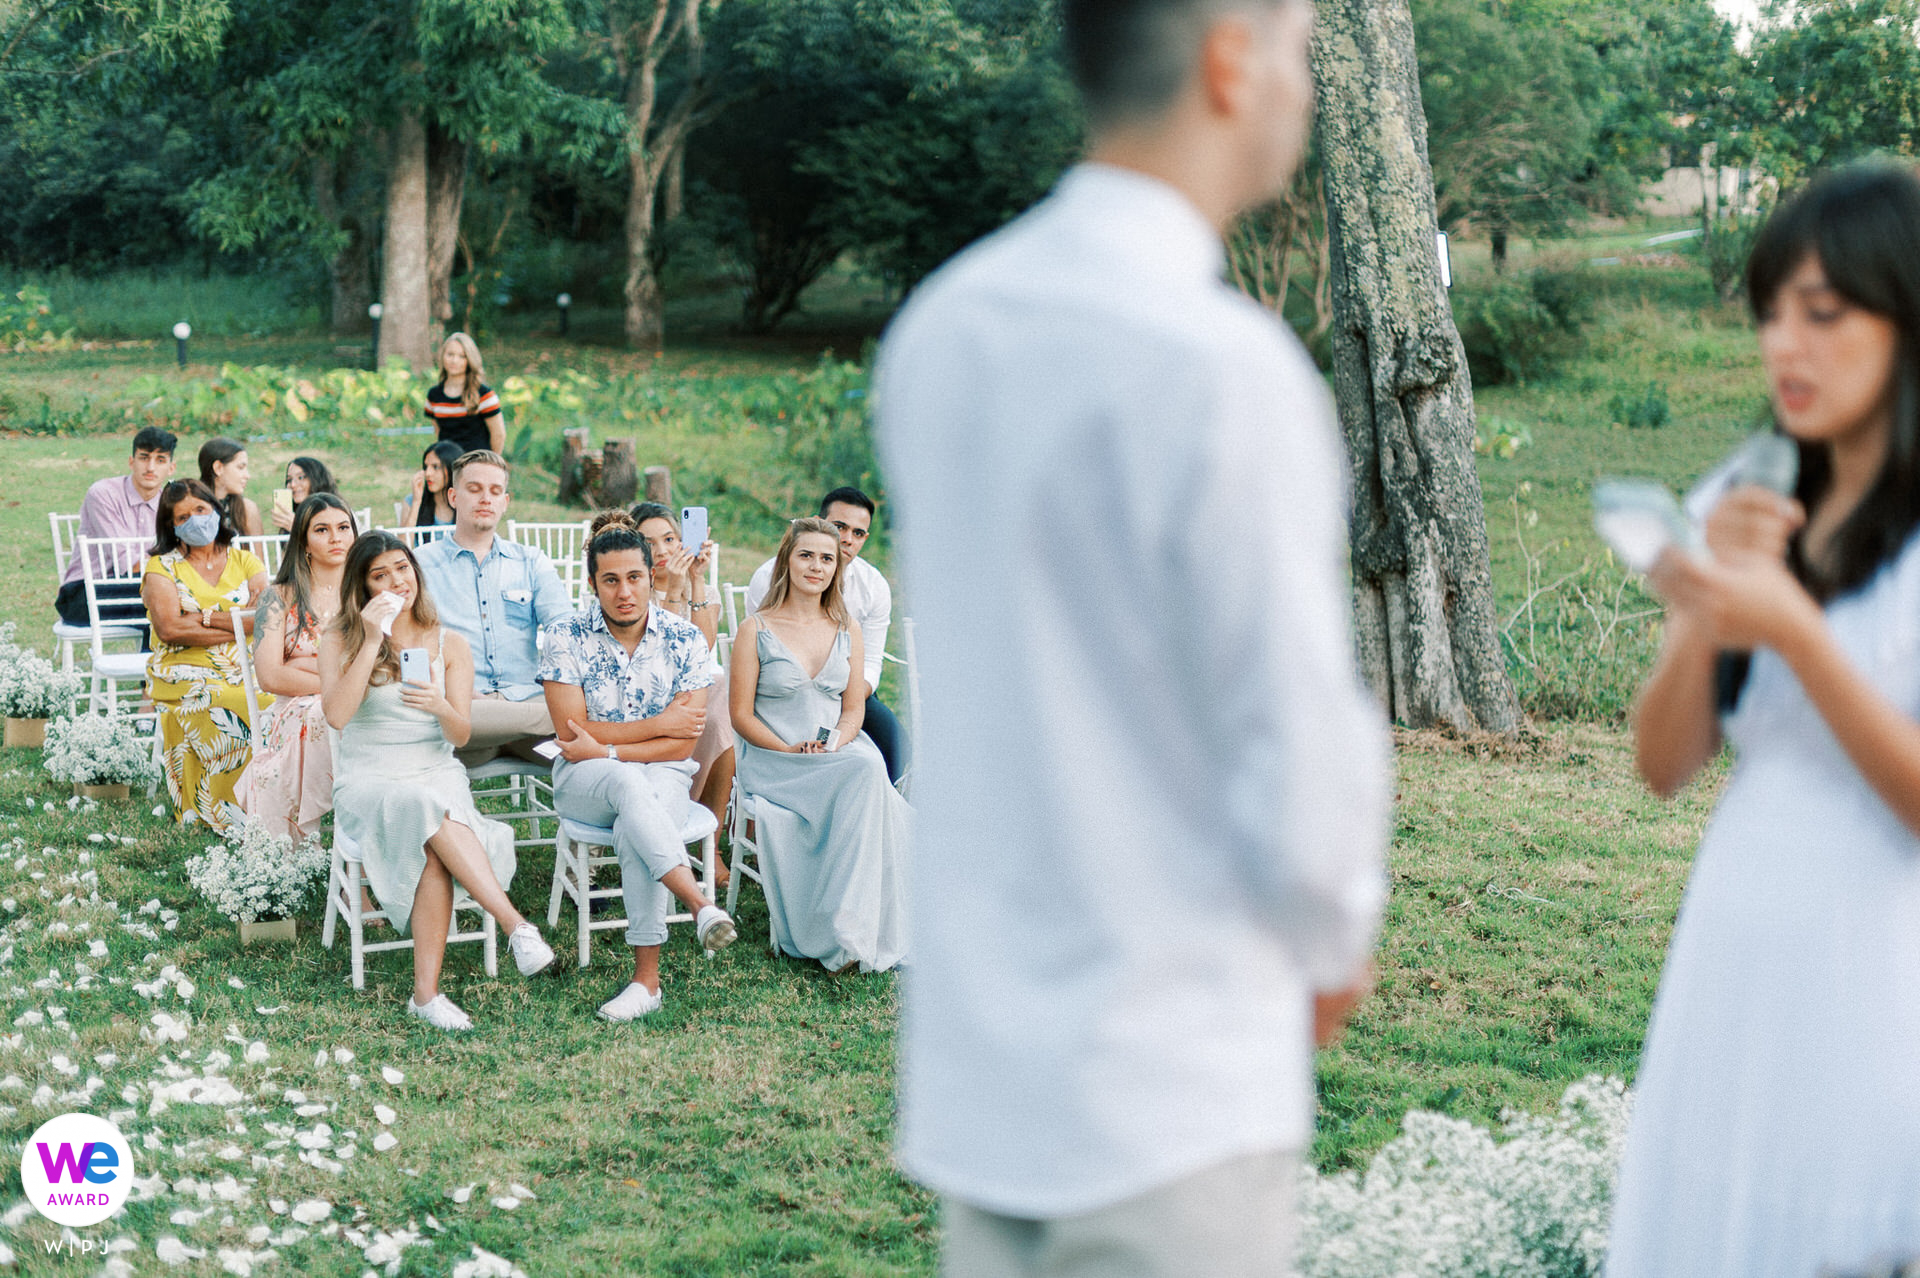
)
(1423, 586)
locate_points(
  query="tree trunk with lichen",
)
(403, 280)
(1424, 613)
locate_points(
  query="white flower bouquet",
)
(91, 749)
(1446, 1199)
(30, 686)
(258, 874)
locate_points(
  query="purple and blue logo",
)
(77, 1169)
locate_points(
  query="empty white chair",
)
(563, 543)
(65, 529)
(575, 859)
(528, 787)
(106, 561)
(267, 548)
(347, 881)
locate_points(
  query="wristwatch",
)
(613, 752)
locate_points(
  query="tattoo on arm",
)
(265, 613)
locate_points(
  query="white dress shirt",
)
(1152, 792)
(869, 601)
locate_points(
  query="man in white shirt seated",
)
(1152, 792)
(626, 684)
(870, 601)
(118, 506)
(497, 594)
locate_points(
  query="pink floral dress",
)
(291, 780)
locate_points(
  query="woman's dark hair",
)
(222, 450)
(448, 452)
(354, 597)
(319, 478)
(654, 510)
(1862, 224)
(612, 531)
(295, 573)
(165, 539)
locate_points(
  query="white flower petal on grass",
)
(393, 1076)
(6, 1256)
(188, 1217)
(459, 1195)
(487, 1265)
(257, 1053)
(320, 1060)
(507, 1204)
(96, 948)
(18, 1214)
(271, 1011)
(175, 1252)
(278, 1206)
(312, 1211)
(342, 1056)
(519, 1190)
(381, 1112)
(385, 1141)
(241, 1263)
(236, 983)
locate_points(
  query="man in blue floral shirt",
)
(627, 685)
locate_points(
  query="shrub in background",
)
(1520, 327)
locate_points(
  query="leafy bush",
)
(1644, 410)
(258, 874)
(27, 323)
(91, 749)
(1447, 1200)
(1521, 327)
(30, 686)
(1501, 437)
(1726, 250)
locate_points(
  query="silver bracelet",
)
(692, 606)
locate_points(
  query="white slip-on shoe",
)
(714, 926)
(441, 1013)
(531, 954)
(632, 1003)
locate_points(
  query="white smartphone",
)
(414, 666)
(548, 749)
(693, 528)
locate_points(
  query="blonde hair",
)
(354, 597)
(470, 391)
(831, 602)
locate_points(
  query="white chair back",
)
(65, 529)
(247, 681)
(418, 537)
(269, 549)
(736, 597)
(564, 543)
(363, 518)
(112, 561)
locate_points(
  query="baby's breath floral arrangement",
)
(1447, 1199)
(30, 686)
(258, 874)
(92, 749)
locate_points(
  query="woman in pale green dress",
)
(398, 792)
(832, 830)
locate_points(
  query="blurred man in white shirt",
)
(869, 601)
(1153, 792)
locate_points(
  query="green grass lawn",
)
(745, 1130)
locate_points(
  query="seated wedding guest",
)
(831, 827)
(223, 468)
(398, 792)
(290, 785)
(869, 601)
(194, 577)
(496, 594)
(627, 683)
(306, 476)
(680, 587)
(119, 506)
(427, 505)
(466, 409)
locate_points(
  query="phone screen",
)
(693, 528)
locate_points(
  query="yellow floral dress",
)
(205, 739)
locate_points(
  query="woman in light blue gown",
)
(832, 830)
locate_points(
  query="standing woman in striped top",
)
(465, 408)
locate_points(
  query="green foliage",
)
(27, 322)
(1520, 327)
(145, 304)
(1500, 437)
(1641, 409)
(1726, 250)
(1844, 77)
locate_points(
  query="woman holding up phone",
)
(1776, 1127)
(680, 586)
(306, 477)
(832, 829)
(399, 688)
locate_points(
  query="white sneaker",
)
(441, 1013)
(631, 1003)
(714, 926)
(531, 954)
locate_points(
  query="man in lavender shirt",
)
(122, 506)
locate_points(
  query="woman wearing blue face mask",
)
(194, 578)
